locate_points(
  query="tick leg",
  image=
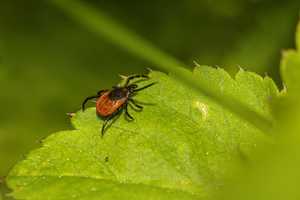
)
(127, 113)
(87, 99)
(135, 104)
(133, 77)
(110, 119)
(104, 126)
(146, 86)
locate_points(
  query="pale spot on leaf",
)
(202, 107)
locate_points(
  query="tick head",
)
(118, 93)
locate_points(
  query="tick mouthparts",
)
(71, 114)
(123, 76)
(149, 69)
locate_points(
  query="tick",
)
(111, 102)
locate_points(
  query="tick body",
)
(111, 103)
(106, 105)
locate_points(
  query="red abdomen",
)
(106, 107)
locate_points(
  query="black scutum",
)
(118, 93)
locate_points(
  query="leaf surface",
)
(181, 146)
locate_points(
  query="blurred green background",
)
(49, 63)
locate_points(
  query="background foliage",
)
(48, 63)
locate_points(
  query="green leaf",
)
(290, 70)
(290, 67)
(181, 146)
